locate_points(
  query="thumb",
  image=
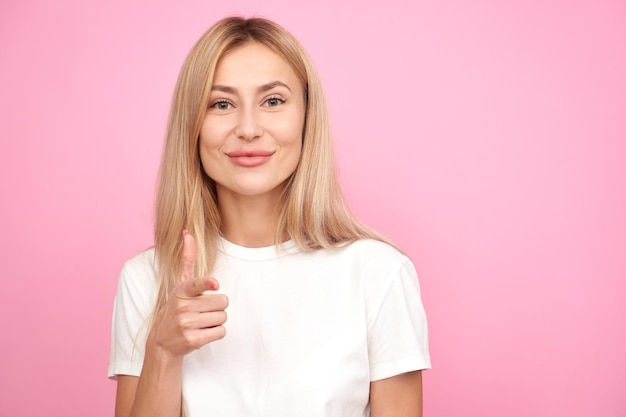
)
(188, 260)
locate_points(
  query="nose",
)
(248, 127)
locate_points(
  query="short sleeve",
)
(133, 305)
(398, 332)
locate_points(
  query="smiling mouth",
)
(250, 158)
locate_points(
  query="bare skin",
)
(398, 396)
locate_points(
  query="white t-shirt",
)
(305, 335)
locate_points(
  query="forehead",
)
(253, 64)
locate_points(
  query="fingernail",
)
(213, 286)
(185, 233)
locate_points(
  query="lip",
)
(249, 157)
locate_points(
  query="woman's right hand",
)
(190, 319)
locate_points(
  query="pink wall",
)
(487, 138)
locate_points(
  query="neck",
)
(249, 221)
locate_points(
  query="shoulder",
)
(142, 262)
(376, 254)
(373, 263)
(374, 246)
(382, 267)
(140, 271)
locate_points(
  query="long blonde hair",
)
(313, 211)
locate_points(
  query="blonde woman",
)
(324, 317)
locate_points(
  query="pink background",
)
(486, 137)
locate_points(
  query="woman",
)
(324, 317)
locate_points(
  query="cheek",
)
(291, 140)
(208, 146)
(211, 137)
(295, 154)
(290, 129)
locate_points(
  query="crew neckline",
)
(257, 254)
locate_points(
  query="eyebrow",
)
(261, 89)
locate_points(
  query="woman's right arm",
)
(126, 388)
(189, 320)
(157, 392)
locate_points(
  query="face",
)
(251, 138)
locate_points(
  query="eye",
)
(221, 105)
(274, 101)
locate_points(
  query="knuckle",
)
(187, 343)
(182, 308)
(184, 324)
(190, 342)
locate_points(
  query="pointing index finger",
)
(188, 259)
